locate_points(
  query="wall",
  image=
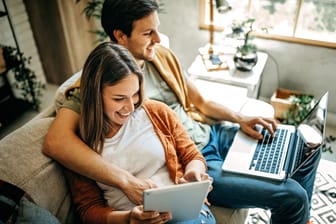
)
(300, 67)
(24, 35)
(62, 36)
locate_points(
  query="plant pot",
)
(280, 102)
(245, 62)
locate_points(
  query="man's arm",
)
(63, 145)
(220, 112)
(210, 108)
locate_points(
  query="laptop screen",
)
(312, 128)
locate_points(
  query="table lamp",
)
(212, 59)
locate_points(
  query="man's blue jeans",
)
(288, 201)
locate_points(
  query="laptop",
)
(280, 157)
(184, 201)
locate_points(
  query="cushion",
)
(23, 164)
(228, 215)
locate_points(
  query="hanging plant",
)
(25, 79)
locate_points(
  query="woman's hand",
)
(134, 190)
(138, 216)
(195, 170)
(194, 175)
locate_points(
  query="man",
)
(134, 24)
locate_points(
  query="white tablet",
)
(184, 201)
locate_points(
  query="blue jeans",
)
(288, 201)
(204, 217)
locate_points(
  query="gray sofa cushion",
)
(23, 164)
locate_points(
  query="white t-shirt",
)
(137, 149)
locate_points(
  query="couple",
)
(134, 25)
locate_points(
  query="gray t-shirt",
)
(157, 89)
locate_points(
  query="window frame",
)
(291, 39)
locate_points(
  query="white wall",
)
(299, 67)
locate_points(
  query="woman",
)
(143, 137)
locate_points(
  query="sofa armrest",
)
(23, 164)
(234, 98)
(48, 112)
(254, 107)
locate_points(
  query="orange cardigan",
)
(179, 151)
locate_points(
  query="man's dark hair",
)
(121, 14)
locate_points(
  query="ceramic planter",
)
(245, 62)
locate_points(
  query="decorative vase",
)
(245, 62)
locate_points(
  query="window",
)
(302, 21)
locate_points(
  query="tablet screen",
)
(184, 201)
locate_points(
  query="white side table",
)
(250, 80)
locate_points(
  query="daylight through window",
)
(302, 21)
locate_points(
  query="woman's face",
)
(119, 99)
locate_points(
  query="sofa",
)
(24, 165)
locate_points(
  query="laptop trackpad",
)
(243, 143)
(240, 153)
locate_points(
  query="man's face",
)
(143, 38)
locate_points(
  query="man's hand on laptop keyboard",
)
(248, 126)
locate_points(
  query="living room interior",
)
(57, 38)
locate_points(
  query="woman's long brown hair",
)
(106, 65)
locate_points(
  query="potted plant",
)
(25, 79)
(246, 56)
(290, 106)
(301, 105)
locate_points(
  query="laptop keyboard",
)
(269, 152)
(300, 148)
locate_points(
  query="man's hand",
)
(248, 124)
(134, 189)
